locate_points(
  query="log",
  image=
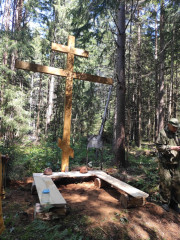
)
(53, 213)
(127, 201)
(99, 183)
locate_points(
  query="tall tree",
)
(161, 65)
(139, 83)
(120, 88)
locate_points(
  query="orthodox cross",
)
(70, 50)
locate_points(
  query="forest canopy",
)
(134, 42)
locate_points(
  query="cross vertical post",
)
(68, 107)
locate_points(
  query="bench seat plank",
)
(44, 182)
(134, 192)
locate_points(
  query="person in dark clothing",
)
(168, 147)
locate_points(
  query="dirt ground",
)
(103, 210)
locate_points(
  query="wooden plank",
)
(92, 78)
(134, 192)
(60, 72)
(39, 68)
(43, 182)
(72, 174)
(66, 49)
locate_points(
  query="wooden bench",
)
(56, 204)
(55, 199)
(129, 196)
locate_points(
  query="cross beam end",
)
(40, 68)
(92, 78)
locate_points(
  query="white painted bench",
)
(55, 197)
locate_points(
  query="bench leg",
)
(100, 183)
(53, 213)
(128, 201)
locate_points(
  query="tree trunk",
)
(176, 92)
(172, 77)
(105, 112)
(120, 89)
(49, 110)
(128, 104)
(38, 108)
(139, 90)
(161, 60)
(19, 14)
(156, 118)
(6, 15)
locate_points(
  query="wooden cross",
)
(64, 144)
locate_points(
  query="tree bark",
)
(172, 77)
(120, 89)
(162, 60)
(49, 110)
(38, 108)
(156, 117)
(139, 87)
(19, 14)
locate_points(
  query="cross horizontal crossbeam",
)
(61, 72)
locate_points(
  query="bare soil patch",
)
(102, 209)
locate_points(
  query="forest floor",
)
(93, 213)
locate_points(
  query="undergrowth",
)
(29, 158)
(26, 159)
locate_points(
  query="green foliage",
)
(29, 158)
(39, 230)
(145, 170)
(14, 117)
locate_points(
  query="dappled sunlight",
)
(155, 225)
(86, 196)
(137, 230)
(99, 210)
(102, 206)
